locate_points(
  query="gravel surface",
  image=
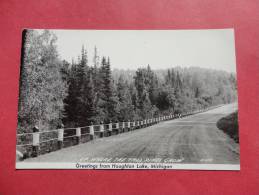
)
(193, 139)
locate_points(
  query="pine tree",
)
(144, 83)
(108, 101)
(86, 98)
(71, 101)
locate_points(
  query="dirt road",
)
(194, 139)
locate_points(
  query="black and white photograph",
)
(128, 99)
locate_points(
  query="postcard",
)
(128, 99)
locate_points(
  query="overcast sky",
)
(131, 49)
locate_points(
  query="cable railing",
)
(63, 135)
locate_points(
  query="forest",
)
(88, 91)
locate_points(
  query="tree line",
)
(86, 91)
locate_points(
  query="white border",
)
(129, 166)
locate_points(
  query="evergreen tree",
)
(71, 101)
(108, 101)
(86, 98)
(144, 83)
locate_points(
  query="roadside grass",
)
(229, 125)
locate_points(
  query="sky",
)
(161, 49)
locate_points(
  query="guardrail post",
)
(133, 125)
(101, 129)
(60, 138)
(91, 129)
(78, 135)
(123, 126)
(117, 127)
(35, 141)
(129, 125)
(110, 129)
(141, 124)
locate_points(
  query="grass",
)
(229, 125)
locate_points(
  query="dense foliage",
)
(88, 91)
(42, 89)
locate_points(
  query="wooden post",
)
(91, 131)
(110, 126)
(35, 141)
(78, 135)
(101, 129)
(60, 138)
(129, 125)
(123, 126)
(110, 129)
(117, 127)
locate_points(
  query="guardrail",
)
(66, 137)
